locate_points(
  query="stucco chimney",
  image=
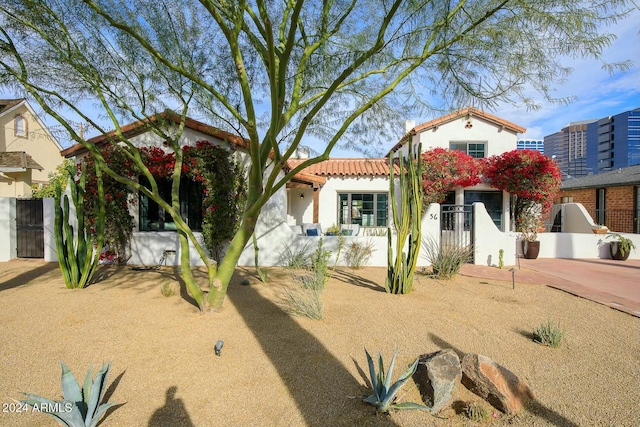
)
(301, 153)
(408, 125)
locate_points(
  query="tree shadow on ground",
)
(27, 276)
(173, 413)
(533, 406)
(347, 277)
(317, 381)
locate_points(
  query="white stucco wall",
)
(576, 219)
(489, 240)
(497, 139)
(8, 235)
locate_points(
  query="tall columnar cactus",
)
(77, 256)
(407, 223)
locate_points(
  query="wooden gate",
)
(30, 228)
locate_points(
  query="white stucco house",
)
(355, 191)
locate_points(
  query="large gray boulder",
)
(437, 375)
(494, 383)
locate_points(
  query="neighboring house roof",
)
(624, 176)
(9, 105)
(471, 111)
(347, 167)
(17, 161)
(132, 129)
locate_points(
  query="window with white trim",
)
(364, 209)
(475, 149)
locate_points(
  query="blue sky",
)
(597, 93)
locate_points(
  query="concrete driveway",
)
(608, 282)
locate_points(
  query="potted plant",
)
(599, 229)
(334, 230)
(528, 227)
(621, 247)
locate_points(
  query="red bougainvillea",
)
(527, 174)
(443, 170)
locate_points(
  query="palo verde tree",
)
(277, 71)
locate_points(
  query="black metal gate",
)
(456, 225)
(30, 228)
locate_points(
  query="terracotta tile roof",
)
(136, 128)
(7, 104)
(347, 167)
(18, 159)
(474, 112)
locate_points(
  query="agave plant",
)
(384, 397)
(80, 407)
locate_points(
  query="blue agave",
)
(80, 407)
(384, 392)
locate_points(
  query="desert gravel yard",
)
(278, 370)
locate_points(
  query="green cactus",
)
(407, 223)
(77, 256)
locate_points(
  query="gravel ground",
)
(277, 370)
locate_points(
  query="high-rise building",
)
(569, 148)
(614, 142)
(531, 144)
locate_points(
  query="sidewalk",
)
(612, 283)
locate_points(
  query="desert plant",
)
(476, 411)
(358, 254)
(446, 260)
(80, 407)
(305, 298)
(501, 258)
(384, 397)
(77, 256)
(624, 245)
(296, 257)
(407, 223)
(167, 289)
(549, 334)
(375, 232)
(320, 265)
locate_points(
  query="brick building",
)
(611, 198)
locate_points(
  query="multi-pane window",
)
(364, 209)
(474, 149)
(154, 218)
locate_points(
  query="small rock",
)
(436, 376)
(494, 383)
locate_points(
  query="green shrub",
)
(501, 259)
(385, 393)
(320, 266)
(446, 260)
(358, 254)
(168, 289)
(80, 407)
(305, 298)
(296, 257)
(476, 411)
(549, 334)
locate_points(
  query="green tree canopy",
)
(276, 71)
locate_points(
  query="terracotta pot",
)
(531, 250)
(616, 254)
(599, 230)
